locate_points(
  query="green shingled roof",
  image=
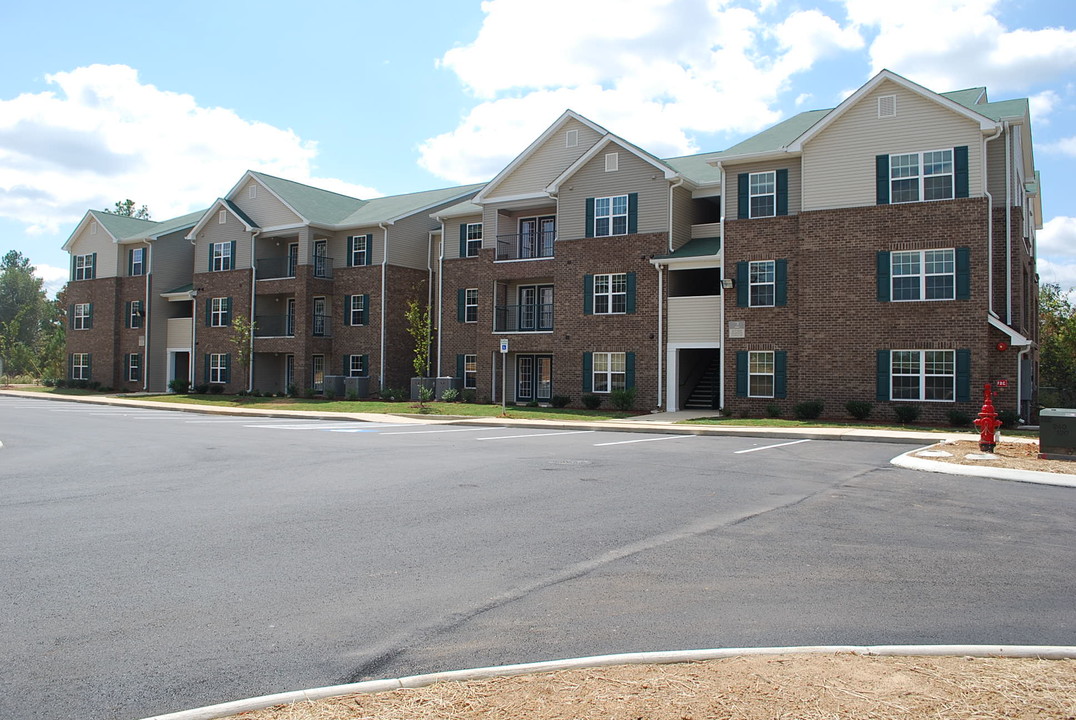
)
(383, 209)
(314, 204)
(460, 209)
(779, 136)
(968, 98)
(122, 226)
(699, 247)
(1004, 109)
(696, 168)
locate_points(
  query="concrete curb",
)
(909, 461)
(212, 712)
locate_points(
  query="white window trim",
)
(140, 253)
(751, 194)
(468, 305)
(610, 295)
(751, 284)
(608, 374)
(922, 176)
(135, 320)
(134, 362)
(316, 362)
(218, 366)
(82, 316)
(222, 217)
(611, 216)
(222, 256)
(922, 275)
(772, 375)
(218, 311)
(922, 375)
(474, 239)
(358, 306)
(358, 253)
(470, 376)
(80, 366)
(84, 267)
(354, 360)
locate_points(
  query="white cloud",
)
(1063, 274)
(55, 277)
(653, 71)
(1042, 106)
(102, 135)
(1057, 237)
(953, 44)
(1064, 146)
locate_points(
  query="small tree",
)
(242, 337)
(419, 328)
(126, 208)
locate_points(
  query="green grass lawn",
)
(851, 424)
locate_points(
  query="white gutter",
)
(661, 337)
(194, 333)
(989, 225)
(1008, 223)
(145, 320)
(253, 288)
(440, 290)
(384, 274)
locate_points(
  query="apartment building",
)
(881, 250)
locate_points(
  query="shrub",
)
(559, 401)
(48, 382)
(329, 393)
(80, 384)
(623, 399)
(1009, 419)
(216, 389)
(241, 393)
(773, 410)
(309, 393)
(532, 403)
(859, 409)
(352, 395)
(201, 389)
(257, 393)
(808, 410)
(95, 385)
(469, 396)
(450, 395)
(292, 390)
(179, 385)
(958, 418)
(61, 382)
(591, 401)
(906, 413)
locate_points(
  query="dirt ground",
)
(1017, 454)
(800, 687)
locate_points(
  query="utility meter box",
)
(1057, 433)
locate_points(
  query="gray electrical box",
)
(1057, 433)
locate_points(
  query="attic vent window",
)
(222, 217)
(571, 138)
(252, 191)
(612, 162)
(887, 106)
(93, 228)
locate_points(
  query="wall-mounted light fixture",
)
(728, 283)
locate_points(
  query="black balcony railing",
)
(523, 318)
(322, 327)
(323, 267)
(525, 246)
(275, 267)
(274, 325)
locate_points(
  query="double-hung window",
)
(762, 279)
(134, 367)
(923, 375)
(470, 305)
(80, 366)
(84, 267)
(359, 250)
(219, 311)
(218, 367)
(610, 294)
(763, 194)
(609, 371)
(356, 366)
(924, 275)
(611, 216)
(222, 256)
(473, 234)
(760, 374)
(357, 310)
(137, 265)
(921, 176)
(134, 314)
(83, 317)
(470, 371)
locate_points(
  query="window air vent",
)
(571, 138)
(612, 162)
(887, 106)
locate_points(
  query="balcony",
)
(523, 318)
(526, 246)
(694, 319)
(275, 267)
(274, 326)
(706, 230)
(323, 267)
(322, 326)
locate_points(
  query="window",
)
(571, 138)
(470, 305)
(762, 283)
(222, 217)
(610, 371)
(219, 312)
(93, 228)
(134, 314)
(470, 371)
(474, 239)
(219, 364)
(80, 366)
(356, 366)
(83, 316)
(134, 367)
(221, 256)
(924, 275)
(610, 294)
(611, 216)
(356, 309)
(763, 194)
(926, 176)
(252, 191)
(317, 373)
(84, 267)
(612, 162)
(923, 375)
(136, 262)
(358, 250)
(760, 374)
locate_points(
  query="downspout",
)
(989, 225)
(253, 288)
(1008, 224)
(440, 291)
(1020, 380)
(384, 275)
(194, 325)
(661, 300)
(145, 320)
(721, 305)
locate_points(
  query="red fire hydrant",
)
(988, 422)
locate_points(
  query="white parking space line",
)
(627, 442)
(533, 435)
(427, 432)
(770, 447)
(293, 426)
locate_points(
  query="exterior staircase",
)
(704, 395)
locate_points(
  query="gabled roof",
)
(311, 204)
(395, 207)
(778, 137)
(549, 132)
(969, 97)
(603, 143)
(699, 247)
(697, 168)
(228, 205)
(984, 122)
(459, 210)
(118, 227)
(169, 226)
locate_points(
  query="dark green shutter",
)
(743, 197)
(368, 255)
(881, 179)
(633, 213)
(780, 288)
(960, 167)
(228, 368)
(590, 217)
(71, 366)
(780, 374)
(881, 390)
(963, 273)
(89, 365)
(963, 375)
(365, 365)
(742, 284)
(347, 309)
(345, 366)
(782, 191)
(350, 250)
(364, 315)
(93, 266)
(208, 312)
(588, 294)
(630, 294)
(72, 278)
(741, 373)
(206, 373)
(228, 311)
(882, 263)
(211, 257)
(461, 305)
(629, 370)
(461, 365)
(71, 316)
(463, 240)
(127, 314)
(130, 262)
(89, 317)
(232, 265)
(588, 372)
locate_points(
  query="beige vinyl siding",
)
(171, 264)
(452, 234)
(409, 241)
(995, 178)
(683, 215)
(795, 183)
(694, 319)
(838, 164)
(547, 161)
(101, 243)
(591, 180)
(177, 336)
(213, 232)
(265, 210)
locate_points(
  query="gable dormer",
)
(258, 201)
(222, 238)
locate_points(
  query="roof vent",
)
(571, 138)
(887, 106)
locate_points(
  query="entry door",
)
(548, 229)
(289, 329)
(293, 258)
(534, 377)
(320, 260)
(527, 315)
(528, 237)
(319, 317)
(289, 372)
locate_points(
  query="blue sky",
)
(169, 103)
